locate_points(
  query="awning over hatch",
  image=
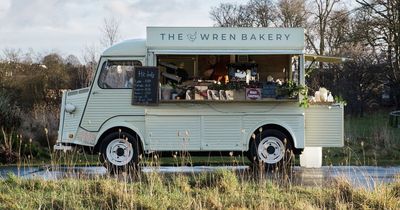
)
(323, 58)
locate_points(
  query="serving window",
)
(228, 77)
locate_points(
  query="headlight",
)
(70, 108)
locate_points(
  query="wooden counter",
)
(231, 101)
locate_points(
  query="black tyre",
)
(120, 152)
(271, 149)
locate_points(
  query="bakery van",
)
(202, 90)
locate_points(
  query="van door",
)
(111, 93)
(324, 126)
(173, 127)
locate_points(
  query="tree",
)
(10, 118)
(12, 55)
(322, 16)
(385, 26)
(361, 82)
(72, 60)
(338, 32)
(110, 32)
(369, 34)
(291, 13)
(74, 70)
(256, 13)
(231, 15)
(263, 12)
(90, 57)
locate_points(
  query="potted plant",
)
(289, 89)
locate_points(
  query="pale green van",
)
(267, 129)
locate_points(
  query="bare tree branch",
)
(110, 32)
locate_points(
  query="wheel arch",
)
(277, 126)
(121, 126)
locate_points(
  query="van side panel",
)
(222, 132)
(133, 123)
(104, 104)
(324, 126)
(108, 103)
(294, 124)
(174, 133)
(78, 99)
(222, 126)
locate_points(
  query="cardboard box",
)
(239, 95)
(200, 92)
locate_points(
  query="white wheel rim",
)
(119, 152)
(271, 150)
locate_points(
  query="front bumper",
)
(61, 146)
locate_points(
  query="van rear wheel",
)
(271, 149)
(120, 152)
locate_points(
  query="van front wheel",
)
(120, 152)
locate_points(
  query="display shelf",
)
(231, 101)
(322, 103)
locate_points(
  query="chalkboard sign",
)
(269, 90)
(145, 86)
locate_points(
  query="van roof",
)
(131, 47)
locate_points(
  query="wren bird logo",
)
(192, 37)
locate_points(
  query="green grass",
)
(220, 190)
(368, 141)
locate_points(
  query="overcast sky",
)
(66, 26)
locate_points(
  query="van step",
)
(60, 146)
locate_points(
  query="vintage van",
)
(140, 103)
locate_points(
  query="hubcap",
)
(271, 150)
(119, 152)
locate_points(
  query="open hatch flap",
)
(326, 59)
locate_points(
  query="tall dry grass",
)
(220, 190)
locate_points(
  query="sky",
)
(68, 26)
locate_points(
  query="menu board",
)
(145, 86)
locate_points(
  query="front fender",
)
(136, 126)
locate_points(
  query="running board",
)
(60, 146)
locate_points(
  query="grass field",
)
(368, 141)
(220, 190)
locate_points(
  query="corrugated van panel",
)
(324, 126)
(107, 103)
(222, 133)
(71, 121)
(294, 123)
(172, 133)
(221, 108)
(218, 120)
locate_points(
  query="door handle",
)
(94, 92)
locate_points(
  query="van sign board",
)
(225, 38)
